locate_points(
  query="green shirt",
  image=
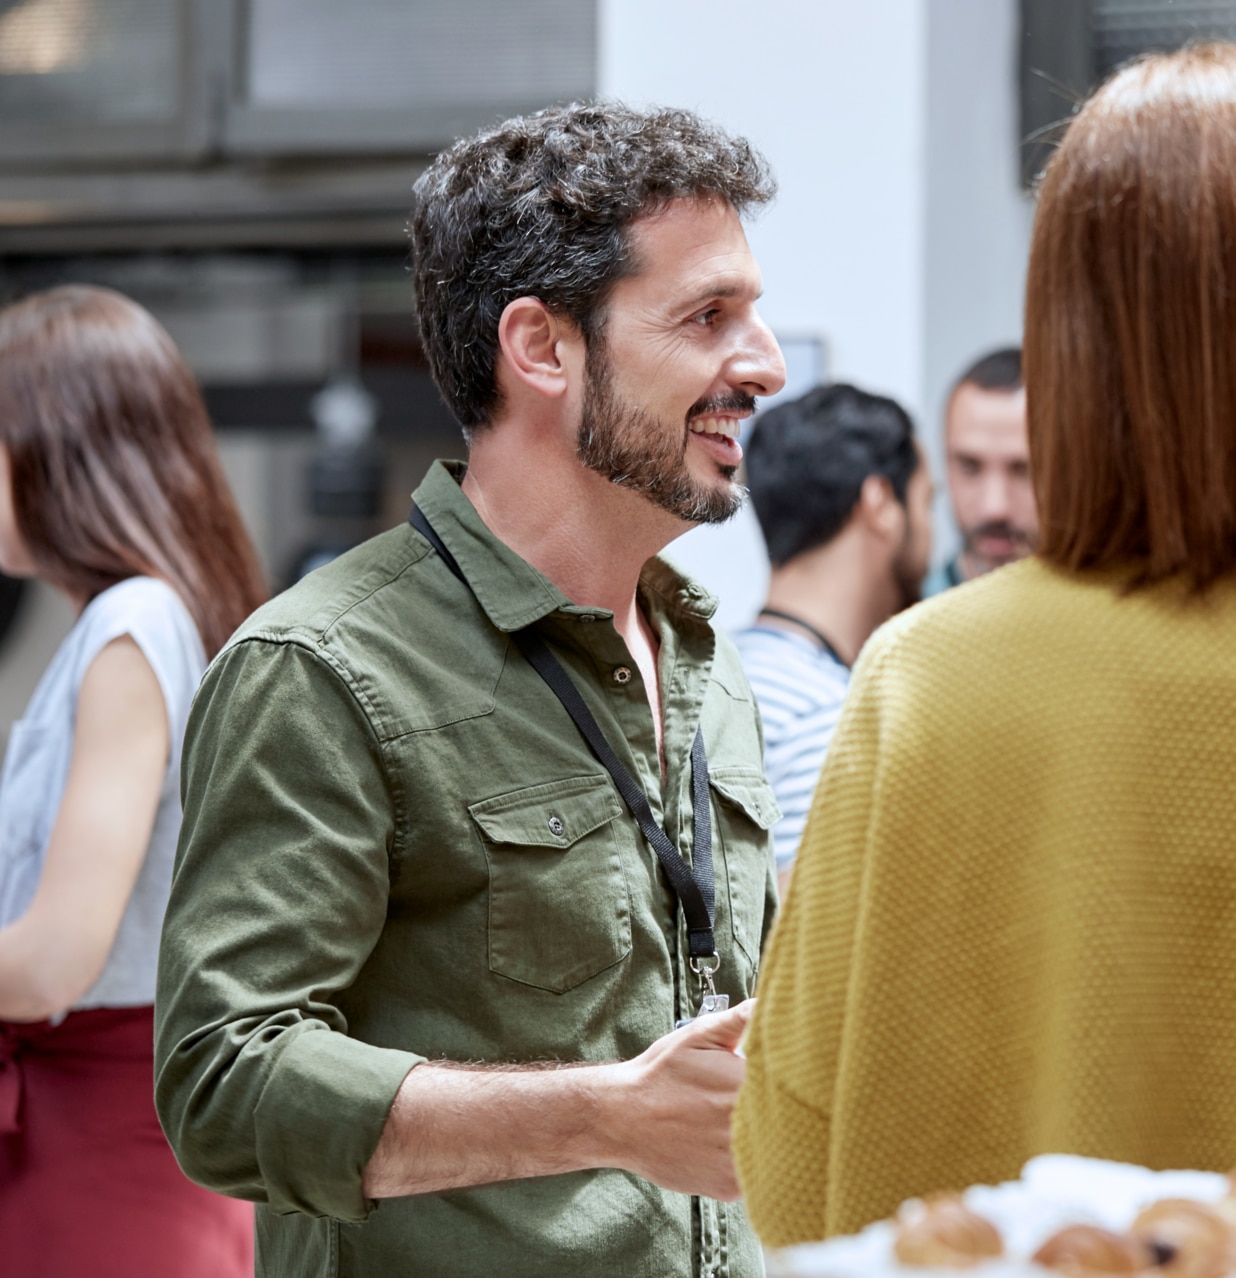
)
(397, 846)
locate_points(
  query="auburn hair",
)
(1130, 335)
(112, 458)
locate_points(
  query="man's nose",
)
(994, 497)
(759, 367)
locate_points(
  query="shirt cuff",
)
(319, 1119)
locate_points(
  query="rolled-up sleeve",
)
(280, 894)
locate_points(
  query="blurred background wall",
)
(243, 168)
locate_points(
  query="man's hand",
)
(673, 1105)
(664, 1115)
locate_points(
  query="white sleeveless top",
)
(36, 768)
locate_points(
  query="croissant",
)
(1193, 1240)
(1084, 1250)
(943, 1231)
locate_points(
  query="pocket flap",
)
(554, 815)
(747, 789)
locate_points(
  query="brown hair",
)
(113, 462)
(1130, 343)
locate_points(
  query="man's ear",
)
(879, 508)
(534, 342)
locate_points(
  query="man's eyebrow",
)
(719, 289)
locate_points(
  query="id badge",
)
(708, 1004)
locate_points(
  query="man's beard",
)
(908, 580)
(635, 450)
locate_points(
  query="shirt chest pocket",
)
(746, 810)
(559, 904)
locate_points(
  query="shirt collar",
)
(510, 590)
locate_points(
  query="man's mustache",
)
(735, 402)
(1002, 529)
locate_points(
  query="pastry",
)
(943, 1231)
(1084, 1250)
(1193, 1240)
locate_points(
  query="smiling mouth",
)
(718, 437)
(727, 427)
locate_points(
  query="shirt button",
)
(622, 674)
(556, 827)
(586, 616)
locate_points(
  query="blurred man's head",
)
(840, 459)
(989, 463)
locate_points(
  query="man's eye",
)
(707, 318)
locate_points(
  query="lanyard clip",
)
(710, 1000)
(704, 968)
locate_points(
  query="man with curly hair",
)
(476, 814)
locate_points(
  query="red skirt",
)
(88, 1183)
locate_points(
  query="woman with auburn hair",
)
(1012, 926)
(111, 491)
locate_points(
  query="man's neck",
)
(836, 592)
(589, 537)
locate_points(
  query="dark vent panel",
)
(1068, 47)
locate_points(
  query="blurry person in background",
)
(988, 467)
(843, 497)
(110, 491)
(1012, 924)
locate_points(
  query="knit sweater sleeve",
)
(781, 1129)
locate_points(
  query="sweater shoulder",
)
(1024, 606)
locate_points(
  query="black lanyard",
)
(693, 884)
(810, 629)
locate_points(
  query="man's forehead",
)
(705, 236)
(694, 219)
(987, 420)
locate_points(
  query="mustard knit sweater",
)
(1012, 926)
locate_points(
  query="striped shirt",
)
(799, 687)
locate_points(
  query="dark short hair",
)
(540, 206)
(1131, 323)
(807, 461)
(998, 370)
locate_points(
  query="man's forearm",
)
(453, 1126)
(664, 1115)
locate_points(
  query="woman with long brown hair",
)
(112, 492)
(1012, 927)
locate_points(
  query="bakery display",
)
(1079, 1217)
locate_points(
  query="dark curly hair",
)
(540, 207)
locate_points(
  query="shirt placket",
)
(683, 679)
(685, 662)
